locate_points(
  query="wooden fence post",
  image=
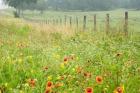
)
(65, 20)
(70, 21)
(95, 23)
(84, 23)
(77, 22)
(107, 23)
(60, 21)
(53, 22)
(126, 23)
(46, 21)
(50, 21)
(56, 21)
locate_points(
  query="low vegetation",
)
(37, 58)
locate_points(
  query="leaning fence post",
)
(126, 23)
(95, 28)
(84, 23)
(107, 23)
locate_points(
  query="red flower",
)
(62, 77)
(46, 68)
(32, 82)
(119, 90)
(89, 90)
(119, 54)
(48, 90)
(87, 74)
(58, 85)
(49, 84)
(49, 87)
(66, 59)
(79, 70)
(72, 56)
(99, 79)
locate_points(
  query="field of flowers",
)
(33, 60)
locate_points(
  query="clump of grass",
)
(37, 59)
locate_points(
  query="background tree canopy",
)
(92, 4)
(64, 5)
(18, 4)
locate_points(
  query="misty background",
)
(2, 5)
(84, 5)
(69, 5)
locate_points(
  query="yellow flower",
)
(123, 87)
(21, 54)
(30, 57)
(77, 58)
(73, 69)
(58, 77)
(56, 56)
(49, 78)
(32, 71)
(62, 65)
(20, 61)
(8, 58)
(10, 89)
(12, 62)
(26, 85)
(6, 84)
(65, 62)
(105, 89)
(21, 91)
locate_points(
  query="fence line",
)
(60, 21)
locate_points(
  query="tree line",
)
(65, 5)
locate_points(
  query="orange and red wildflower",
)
(32, 82)
(87, 74)
(89, 90)
(119, 90)
(49, 87)
(99, 79)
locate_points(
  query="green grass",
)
(31, 51)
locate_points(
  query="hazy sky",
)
(2, 6)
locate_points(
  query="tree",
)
(18, 5)
(135, 4)
(81, 4)
(41, 6)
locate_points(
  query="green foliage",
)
(91, 4)
(18, 5)
(80, 4)
(135, 4)
(24, 57)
